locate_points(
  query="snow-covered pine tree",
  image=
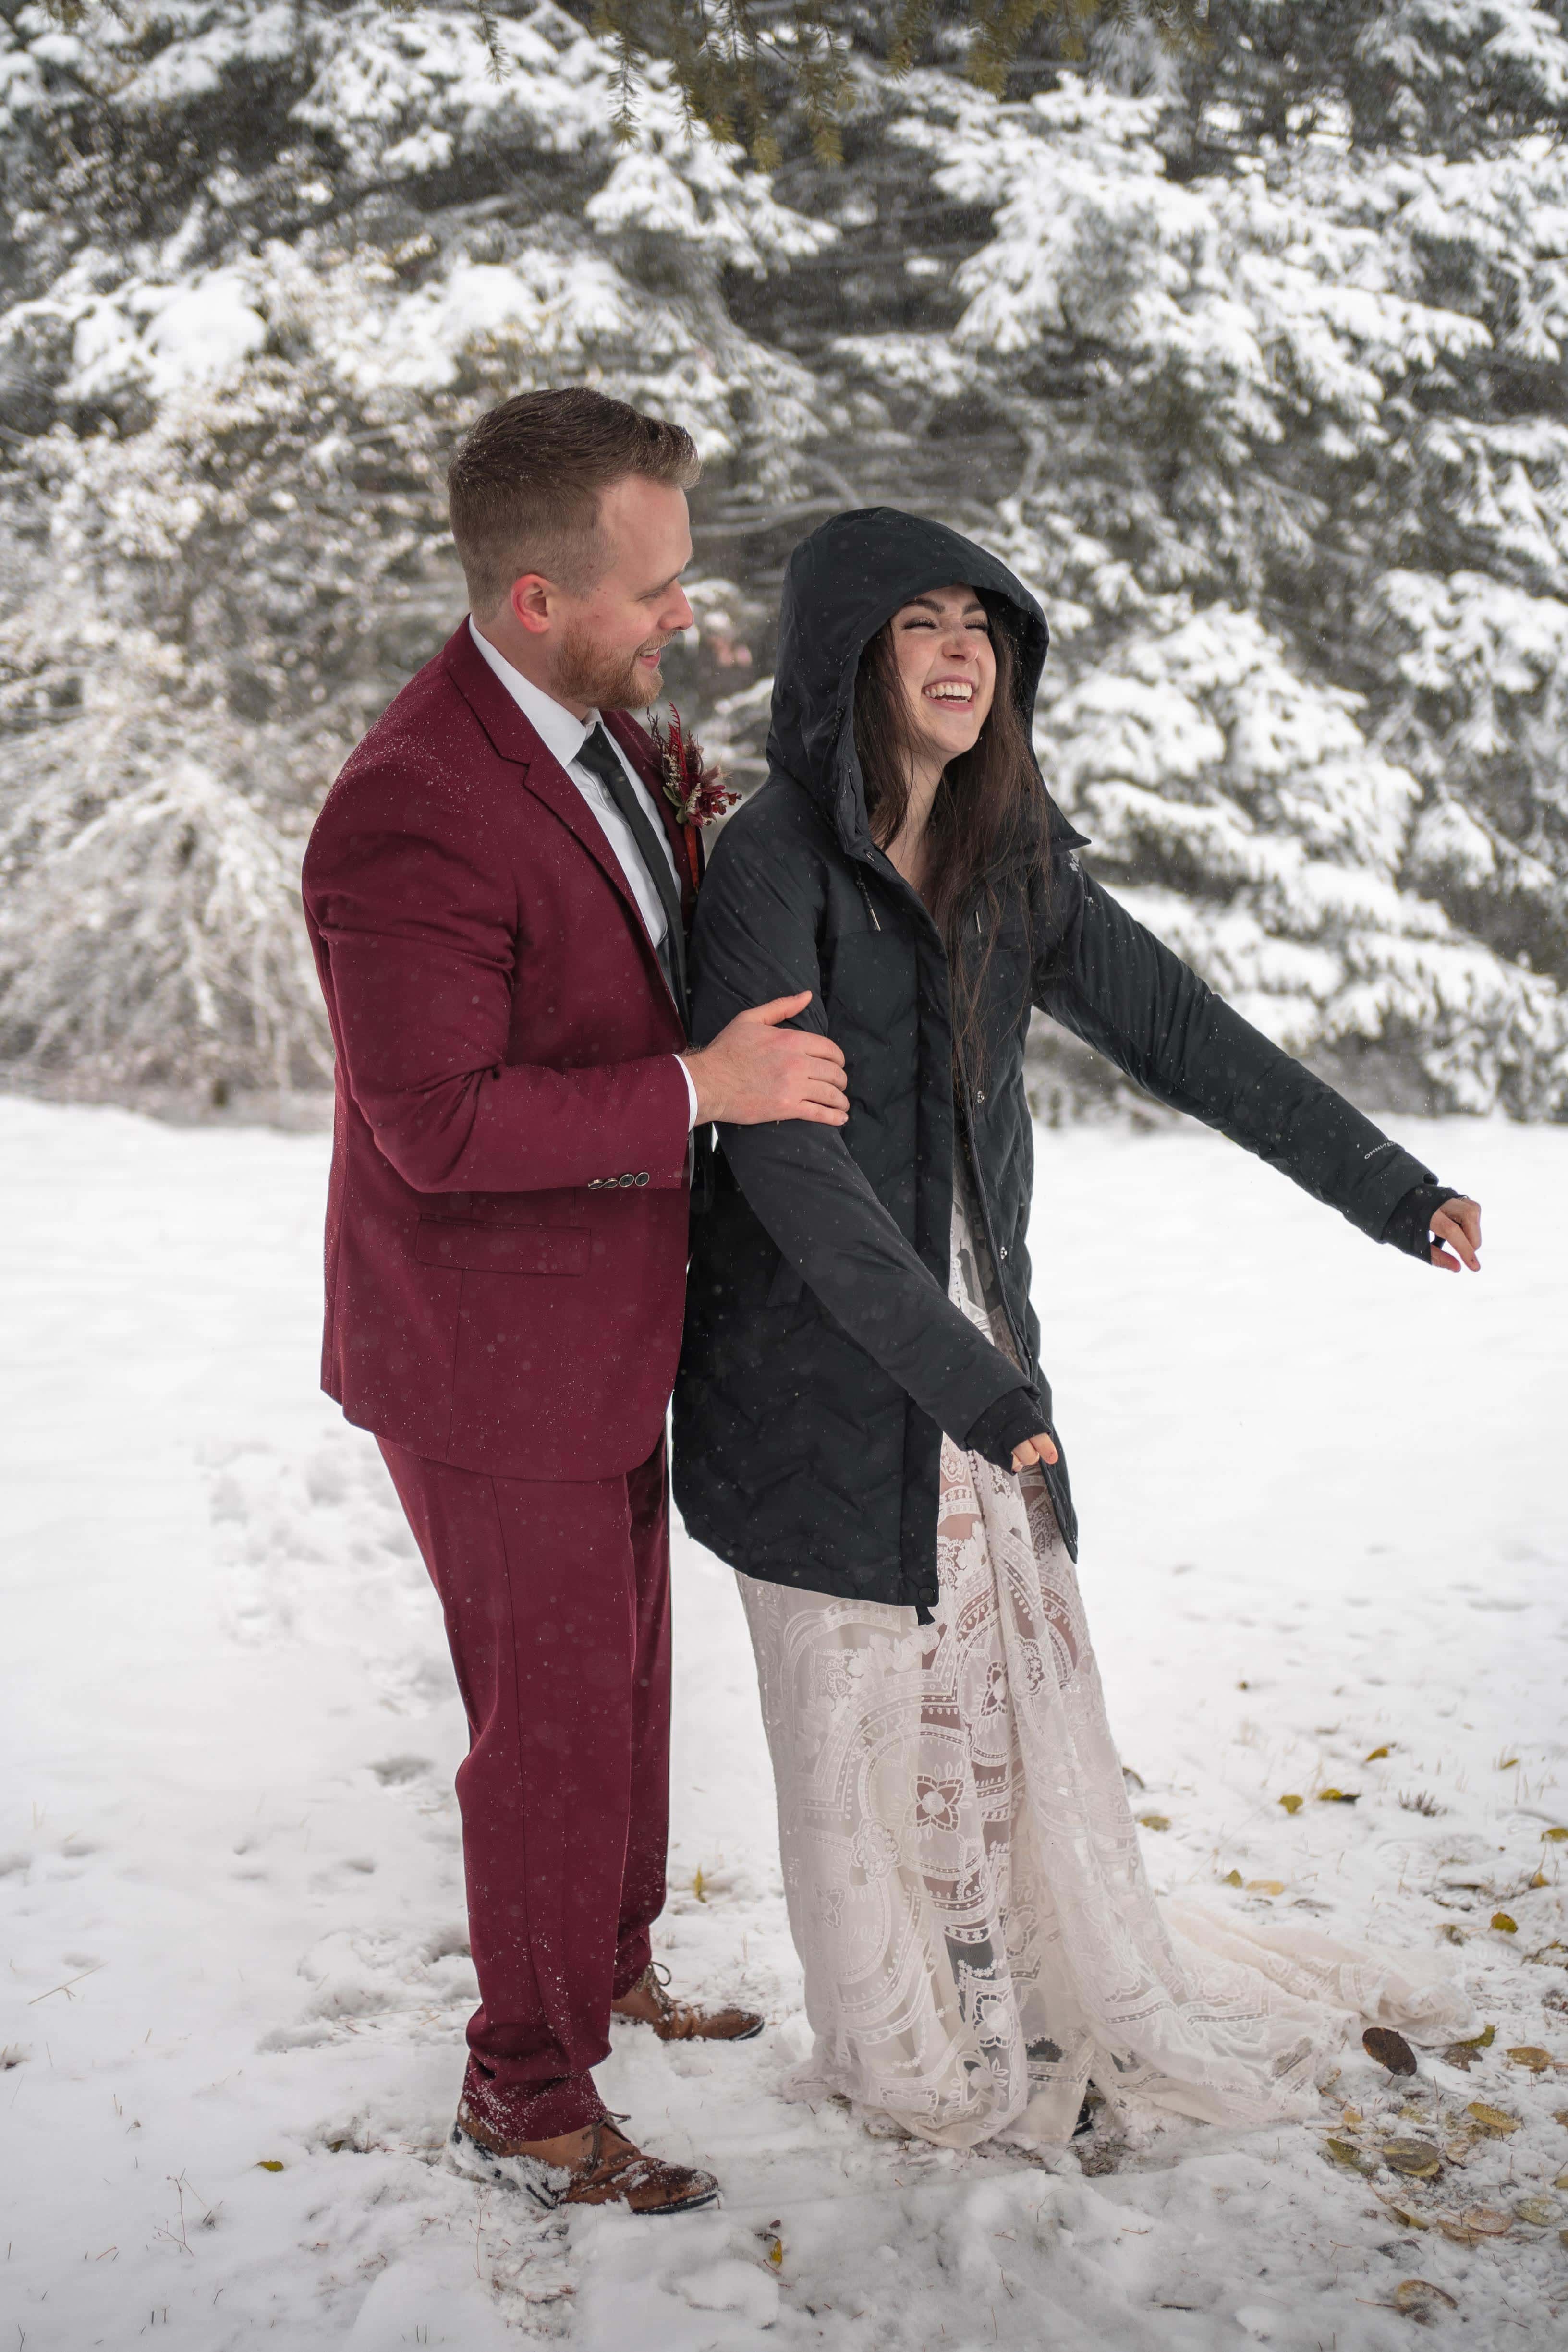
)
(1251, 360)
(1249, 355)
(265, 265)
(1289, 372)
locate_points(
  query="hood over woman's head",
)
(841, 727)
(842, 584)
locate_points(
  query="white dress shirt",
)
(564, 734)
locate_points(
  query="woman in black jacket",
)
(863, 1428)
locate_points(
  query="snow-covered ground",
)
(1323, 1497)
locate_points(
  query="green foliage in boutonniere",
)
(696, 791)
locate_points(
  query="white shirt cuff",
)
(690, 1094)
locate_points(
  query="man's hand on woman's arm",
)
(756, 1071)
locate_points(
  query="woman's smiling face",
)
(948, 669)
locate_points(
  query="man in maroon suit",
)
(497, 892)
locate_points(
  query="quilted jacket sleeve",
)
(1113, 984)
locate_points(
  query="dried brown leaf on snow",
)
(1417, 2159)
(1420, 2300)
(1389, 2049)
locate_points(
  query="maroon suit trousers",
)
(556, 1598)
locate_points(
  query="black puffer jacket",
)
(823, 1358)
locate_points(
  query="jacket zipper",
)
(960, 1107)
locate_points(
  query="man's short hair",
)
(523, 487)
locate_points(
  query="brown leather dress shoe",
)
(608, 2171)
(682, 2020)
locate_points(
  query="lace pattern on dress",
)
(961, 1868)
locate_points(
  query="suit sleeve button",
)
(625, 1180)
(642, 1176)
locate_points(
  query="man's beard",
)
(587, 674)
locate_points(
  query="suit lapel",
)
(512, 738)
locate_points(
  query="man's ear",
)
(532, 600)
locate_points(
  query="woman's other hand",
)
(1039, 1449)
(1456, 1235)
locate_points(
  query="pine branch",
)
(738, 64)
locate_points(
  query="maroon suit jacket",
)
(507, 1215)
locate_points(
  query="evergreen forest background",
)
(1246, 351)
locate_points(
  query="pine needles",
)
(738, 64)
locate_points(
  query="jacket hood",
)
(842, 583)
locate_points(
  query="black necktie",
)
(600, 757)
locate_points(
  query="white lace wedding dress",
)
(962, 1867)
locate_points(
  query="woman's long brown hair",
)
(988, 817)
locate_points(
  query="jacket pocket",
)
(568, 1206)
(500, 1249)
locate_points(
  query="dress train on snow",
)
(963, 1872)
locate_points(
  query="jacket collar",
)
(513, 738)
(561, 733)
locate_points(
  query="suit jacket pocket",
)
(568, 1207)
(500, 1249)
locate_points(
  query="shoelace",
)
(677, 2014)
(627, 2161)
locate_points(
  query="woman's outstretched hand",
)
(1033, 1449)
(1456, 1235)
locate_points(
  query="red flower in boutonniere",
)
(696, 791)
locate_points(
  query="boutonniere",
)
(696, 791)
